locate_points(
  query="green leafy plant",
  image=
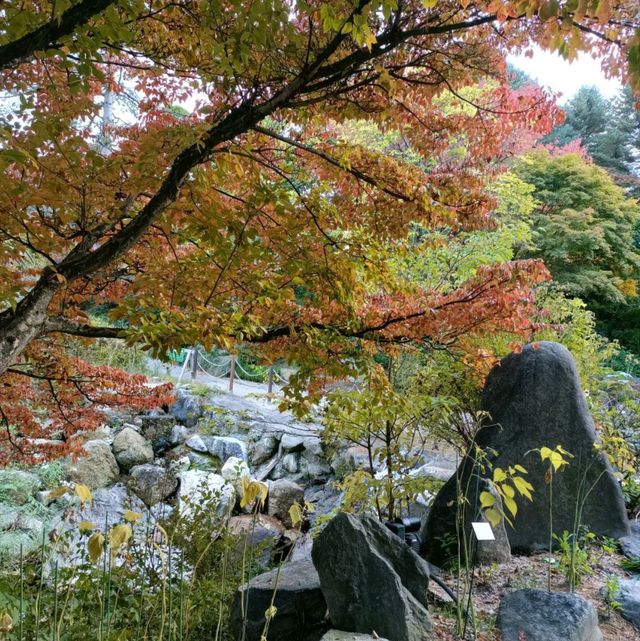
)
(576, 559)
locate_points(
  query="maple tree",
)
(231, 206)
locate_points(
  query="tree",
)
(244, 220)
(584, 228)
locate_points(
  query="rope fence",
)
(223, 366)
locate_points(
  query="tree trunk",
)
(18, 328)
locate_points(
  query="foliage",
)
(209, 226)
(576, 559)
(137, 580)
(583, 228)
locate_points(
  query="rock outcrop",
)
(372, 580)
(534, 400)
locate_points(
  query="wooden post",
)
(194, 363)
(270, 381)
(232, 373)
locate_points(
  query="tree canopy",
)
(229, 205)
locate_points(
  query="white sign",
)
(483, 531)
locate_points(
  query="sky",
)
(551, 70)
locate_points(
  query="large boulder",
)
(536, 615)
(534, 400)
(372, 580)
(282, 495)
(130, 449)
(97, 468)
(153, 483)
(301, 608)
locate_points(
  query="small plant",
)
(556, 459)
(611, 592)
(576, 559)
(631, 565)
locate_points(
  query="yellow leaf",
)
(132, 517)
(487, 500)
(118, 536)
(295, 512)
(95, 545)
(86, 526)
(524, 487)
(510, 504)
(84, 493)
(499, 475)
(57, 493)
(493, 516)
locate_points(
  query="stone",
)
(156, 428)
(153, 483)
(282, 495)
(291, 443)
(630, 544)
(301, 608)
(196, 443)
(234, 469)
(291, 463)
(372, 580)
(130, 449)
(224, 447)
(264, 449)
(256, 530)
(534, 400)
(17, 487)
(628, 597)
(537, 615)
(97, 468)
(198, 487)
(179, 434)
(187, 409)
(18, 528)
(439, 547)
(339, 635)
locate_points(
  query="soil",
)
(493, 583)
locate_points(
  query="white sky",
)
(552, 71)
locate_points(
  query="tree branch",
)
(67, 326)
(47, 36)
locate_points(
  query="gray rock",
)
(224, 447)
(291, 443)
(629, 599)
(97, 468)
(256, 530)
(282, 495)
(196, 443)
(339, 635)
(18, 528)
(130, 449)
(372, 580)
(187, 409)
(198, 487)
(301, 608)
(537, 615)
(631, 543)
(17, 487)
(534, 400)
(264, 449)
(291, 463)
(156, 428)
(153, 483)
(179, 434)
